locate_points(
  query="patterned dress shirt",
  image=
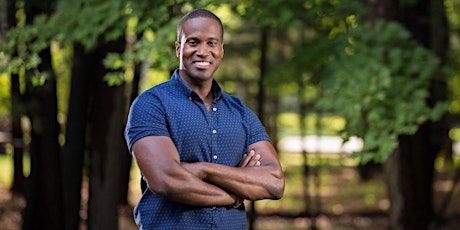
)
(221, 135)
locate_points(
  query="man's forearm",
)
(252, 183)
(196, 192)
(252, 180)
(266, 181)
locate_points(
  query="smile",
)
(202, 63)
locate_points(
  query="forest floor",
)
(342, 202)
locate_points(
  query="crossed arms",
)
(259, 175)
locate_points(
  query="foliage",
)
(87, 22)
(379, 83)
(91, 23)
(453, 16)
(372, 75)
(4, 98)
(152, 27)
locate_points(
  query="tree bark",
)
(17, 111)
(43, 192)
(409, 177)
(74, 148)
(17, 135)
(127, 159)
(4, 18)
(261, 98)
(106, 154)
(107, 147)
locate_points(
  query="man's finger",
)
(254, 161)
(247, 158)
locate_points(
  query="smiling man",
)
(201, 151)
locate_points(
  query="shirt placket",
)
(214, 132)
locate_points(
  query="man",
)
(201, 151)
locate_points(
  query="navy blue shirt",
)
(221, 135)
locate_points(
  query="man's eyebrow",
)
(192, 38)
(198, 39)
(214, 40)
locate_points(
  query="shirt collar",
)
(216, 89)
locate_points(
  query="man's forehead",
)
(200, 25)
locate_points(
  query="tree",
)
(17, 111)
(44, 183)
(386, 77)
(107, 144)
(375, 54)
(416, 153)
(76, 127)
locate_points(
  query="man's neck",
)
(202, 88)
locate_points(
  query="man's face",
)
(200, 49)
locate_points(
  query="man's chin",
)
(201, 73)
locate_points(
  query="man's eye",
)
(211, 43)
(192, 43)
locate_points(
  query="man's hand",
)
(250, 159)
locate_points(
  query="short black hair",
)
(198, 13)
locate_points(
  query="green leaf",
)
(114, 78)
(40, 78)
(380, 88)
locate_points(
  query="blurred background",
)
(361, 99)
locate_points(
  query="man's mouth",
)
(202, 64)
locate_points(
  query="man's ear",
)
(177, 49)
(223, 50)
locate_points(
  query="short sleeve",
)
(146, 118)
(256, 130)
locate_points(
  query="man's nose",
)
(202, 50)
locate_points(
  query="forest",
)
(361, 99)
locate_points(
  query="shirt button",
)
(189, 98)
(214, 131)
(214, 109)
(215, 157)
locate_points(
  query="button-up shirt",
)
(220, 135)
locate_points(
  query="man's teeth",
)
(202, 63)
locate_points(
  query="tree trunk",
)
(43, 192)
(17, 134)
(107, 148)
(4, 18)
(410, 169)
(127, 159)
(106, 155)
(17, 111)
(74, 148)
(261, 97)
(409, 177)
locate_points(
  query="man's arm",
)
(266, 181)
(158, 159)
